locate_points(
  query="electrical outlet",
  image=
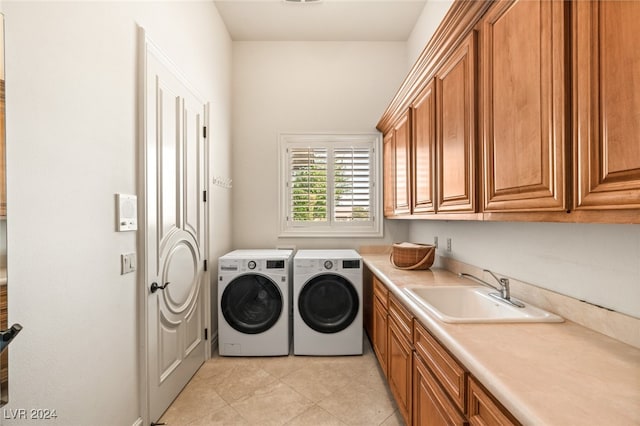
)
(435, 241)
(448, 244)
(127, 263)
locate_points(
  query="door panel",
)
(455, 94)
(4, 302)
(175, 231)
(524, 106)
(606, 105)
(424, 150)
(328, 303)
(251, 303)
(389, 159)
(401, 139)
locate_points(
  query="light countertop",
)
(543, 373)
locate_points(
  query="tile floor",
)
(293, 390)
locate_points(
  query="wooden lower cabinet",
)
(379, 339)
(431, 406)
(399, 373)
(400, 359)
(448, 372)
(484, 410)
(430, 387)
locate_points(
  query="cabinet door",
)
(401, 140)
(380, 333)
(431, 406)
(524, 108)
(448, 372)
(389, 160)
(399, 371)
(424, 150)
(455, 94)
(606, 99)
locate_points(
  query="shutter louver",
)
(308, 182)
(352, 184)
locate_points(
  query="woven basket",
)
(412, 256)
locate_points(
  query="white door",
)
(175, 179)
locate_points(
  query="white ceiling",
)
(328, 20)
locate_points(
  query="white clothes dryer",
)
(254, 303)
(327, 302)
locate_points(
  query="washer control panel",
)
(239, 265)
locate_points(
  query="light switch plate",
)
(128, 263)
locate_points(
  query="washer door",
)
(251, 303)
(328, 303)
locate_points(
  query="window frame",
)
(330, 228)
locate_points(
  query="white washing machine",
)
(327, 302)
(254, 303)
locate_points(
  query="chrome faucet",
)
(504, 292)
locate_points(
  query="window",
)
(328, 185)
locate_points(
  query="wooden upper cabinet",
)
(424, 149)
(606, 102)
(524, 108)
(402, 144)
(456, 151)
(388, 156)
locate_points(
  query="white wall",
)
(596, 263)
(71, 145)
(430, 18)
(301, 87)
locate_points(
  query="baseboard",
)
(138, 422)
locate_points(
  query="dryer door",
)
(251, 303)
(328, 303)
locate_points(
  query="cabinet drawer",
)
(446, 369)
(381, 292)
(431, 404)
(484, 410)
(402, 318)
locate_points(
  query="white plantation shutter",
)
(329, 185)
(308, 184)
(352, 183)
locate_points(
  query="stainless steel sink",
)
(467, 304)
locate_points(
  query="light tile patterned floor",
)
(293, 390)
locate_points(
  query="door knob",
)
(6, 336)
(155, 287)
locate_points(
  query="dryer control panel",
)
(319, 265)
